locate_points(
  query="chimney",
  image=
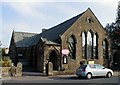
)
(43, 30)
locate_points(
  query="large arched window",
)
(105, 49)
(89, 45)
(83, 45)
(95, 48)
(72, 46)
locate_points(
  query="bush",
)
(5, 62)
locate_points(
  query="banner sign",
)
(65, 51)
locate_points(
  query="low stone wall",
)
(11, 71)
(5, 71)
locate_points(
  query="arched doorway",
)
(53, 57)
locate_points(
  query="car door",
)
(93, 70)
(100, 70)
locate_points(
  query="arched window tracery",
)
(72, 46)
(89, 45)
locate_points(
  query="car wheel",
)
(109, 74)
(89, 76)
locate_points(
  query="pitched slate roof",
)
(51, 35)
(23, 39)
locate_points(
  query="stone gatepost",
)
(13, 70)
(50, 68)
(19, 69)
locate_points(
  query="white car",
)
(90, 70)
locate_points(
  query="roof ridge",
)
(52, 34)
(25, 32)
(64, 22)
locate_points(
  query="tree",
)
(118, 16)
(116, 32)
(113, 29)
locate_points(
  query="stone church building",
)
(82, 36)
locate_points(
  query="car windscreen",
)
(82, 66)
(92, 66)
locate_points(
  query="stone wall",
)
(76, 29)
(40, 56)
(12, 71)
(81, 25)
(5, 71)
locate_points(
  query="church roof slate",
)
(23, 39)
(52, 35)
(49, 36)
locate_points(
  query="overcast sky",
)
(33, 15)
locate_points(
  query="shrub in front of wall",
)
(5, 62)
